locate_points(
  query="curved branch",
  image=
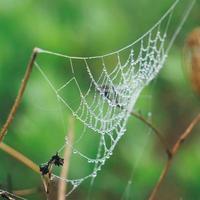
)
(156, 131)
(174, 150)
(20, 94)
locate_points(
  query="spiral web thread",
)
(110, 97)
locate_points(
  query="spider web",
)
(113, 82)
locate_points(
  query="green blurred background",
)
(86, 28)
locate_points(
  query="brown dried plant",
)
(192, 57)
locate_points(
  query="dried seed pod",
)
(192, 47)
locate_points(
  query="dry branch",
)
(20, 157)
(20, 94)
(26, 192)
(155, 130)
(174, 150)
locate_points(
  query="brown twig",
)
(174, 150)
(25, 192)
(62, 185)
(156, 131)
(20, 157)
(19, 95)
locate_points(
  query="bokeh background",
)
(85, 28)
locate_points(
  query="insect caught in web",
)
(47, 167)
(110, 93)
(46, 170)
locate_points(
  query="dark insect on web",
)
(46, 170)
(109, 92)
(55, 160)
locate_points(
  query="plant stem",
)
(62, 185)
(156, 131)
(174, 150)
(20, 157)
(19, 95)
(25, 192)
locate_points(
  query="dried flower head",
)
(193, 58)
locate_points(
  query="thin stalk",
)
(156, 131)
(174, 151)
(20, 94)
(62, 185)
(20, 157)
